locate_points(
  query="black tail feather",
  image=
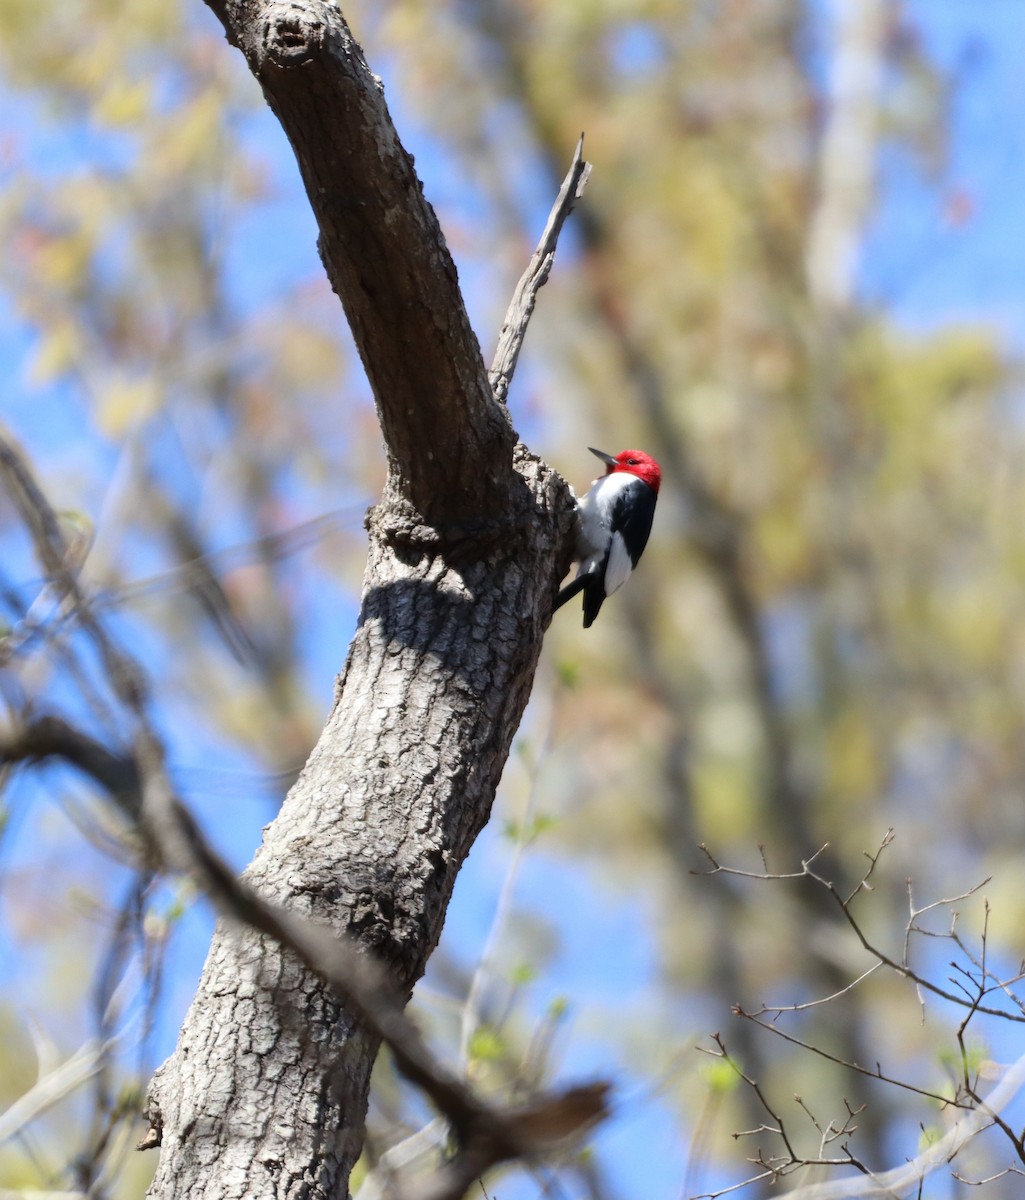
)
(594, 595)
(594, 598)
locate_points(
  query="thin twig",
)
(900, 1180)
(989, 1179)
(788, 1008)
(900, 967)
(969, 1076)
(517, 317)
(776, 1167)
(857, 1068)
(970, 985)
(719, 869)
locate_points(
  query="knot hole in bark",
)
(290, 38)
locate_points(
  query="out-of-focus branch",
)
(52, 550)
(52, 737)
(20, 1194)
(485, 1135)
(51, 1088)
(907, 1178)
(521, 307)
(189, 575)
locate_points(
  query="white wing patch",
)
(615, 505)
(620, 567)
(596, 507)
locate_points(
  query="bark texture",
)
(266, 1093)
(449, 445)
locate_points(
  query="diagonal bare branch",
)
(51, 1088)
(521, 306)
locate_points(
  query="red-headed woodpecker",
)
(614, 523)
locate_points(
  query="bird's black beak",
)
(606, 458)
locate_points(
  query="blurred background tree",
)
(823, 641)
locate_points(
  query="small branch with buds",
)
(971, 987)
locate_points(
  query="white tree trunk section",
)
(848, 158)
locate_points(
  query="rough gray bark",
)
(449, 445)
(266, 1092)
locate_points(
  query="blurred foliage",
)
(825, 637)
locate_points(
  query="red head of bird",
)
(632, 462)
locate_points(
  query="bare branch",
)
(761, 1177)
(898, 1182)
(969, 1076)
(719, 869)
(777, 1166)
(873, 862)
(901, 967)
(901, 1180)
(52, 737)
(51, 1088)
(778, 1128)
(989, 1179)
(857, 1068)
(449, 444)
(521, 307)
(971, 984)
(782, 1008)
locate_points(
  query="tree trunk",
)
(266, 1092)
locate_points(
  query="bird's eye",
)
(631, 462)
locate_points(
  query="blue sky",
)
(925, 267)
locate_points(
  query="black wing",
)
(632, 514)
